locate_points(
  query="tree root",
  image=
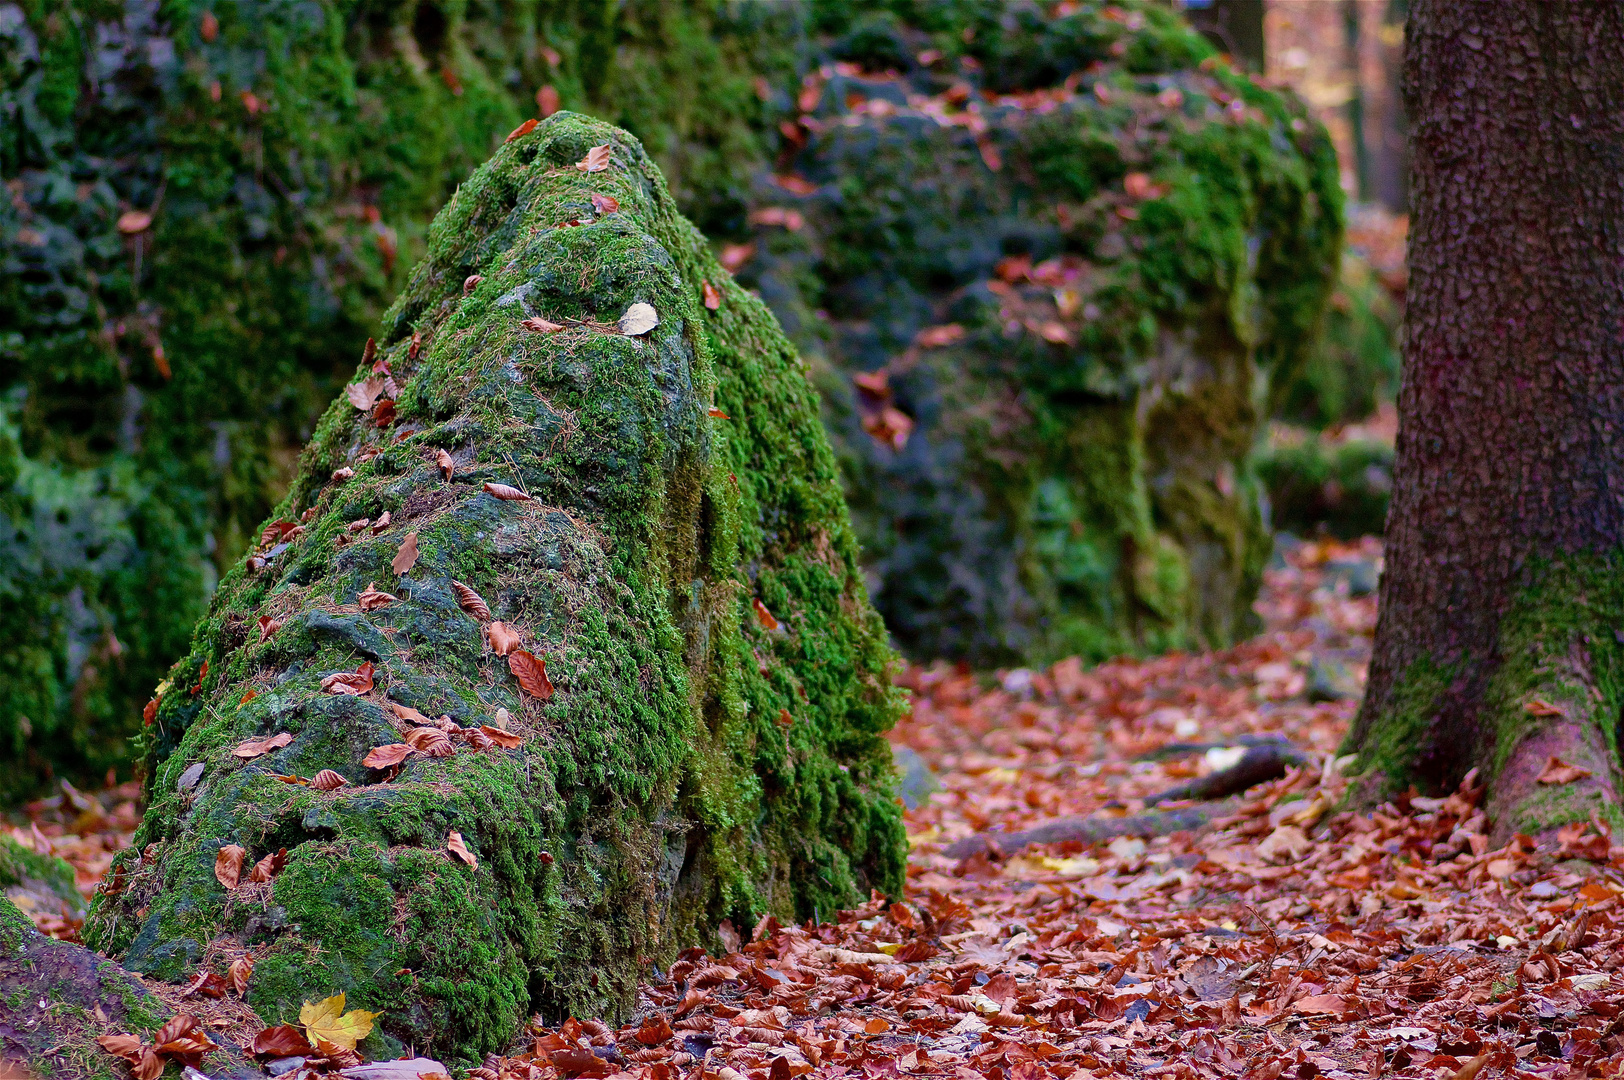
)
(1264, 760)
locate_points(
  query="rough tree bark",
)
(1501, 637)
(711, 743)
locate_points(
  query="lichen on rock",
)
(656, 516)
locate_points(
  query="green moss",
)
(1317, 483)
(658, 791)
(1392, 747)
(15, 927)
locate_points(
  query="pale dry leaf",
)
(342, 473)
(502, 719)
(372, 598)
(639, 319)
(406, 557)
(328, 780)
(365, 394)
(596, 160)
(502, 491)
(471, 602)
(503, 638)
(531, 671)
(455, 845)
(1557, 771)
(253, 748)
(401, 1069)
(228, 864)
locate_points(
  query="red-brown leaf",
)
(444, 461)
(540, 326)
(605, 204)
(228, 865)
(502, 491)
(253, 748)
(531, 671)
(352, 683)
(268, 626)
(239, 972)
(596, 160)
(270, 866)
(765, 617)
(713, 298)
(406, 557)
(384, 414)
(328, 780)
(471, 602)
(431, 741)
(387, 756)
(522, 130)
(127, 1047)
(283, 1040)
(455, 845)
(502, 738)
(503, 638)
(371, 598)
(206, 984)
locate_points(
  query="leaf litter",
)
(1286, 938)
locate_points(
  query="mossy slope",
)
(691, 765)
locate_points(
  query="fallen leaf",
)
(328, 780)
(455, 845)
(228, 864)
(270, 866)
(400, 1069)
(502, 491)
(1322, 1005)
(1557, 771)
(127, 1047)
(239, 972)
(654, 1030)
(1540, 707)
(446, 465)
(365, 394)
(1286, 844)
(713, 298)
(283, 1040)
(384, 414)
(182, 1040)
(352, 683)
(406, 557)
(719, 414)
(542, 326)
(531, 671)
(134, 221)
(640, 318)
(765, 617)
(409, 714)
(206, 984)
(248, 695)
(470, 601)
(1472, 1068)
(605, 204)
(381, 524)
(327, 1021)
(502, 738)
(293, 778)
(431, 741)
(268, 626)
(521, 131)
(371, 599)
(253, 748)
(596, 160)
(503, 638)
(734, 256)
(387, 756)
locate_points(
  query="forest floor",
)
(1286, 939)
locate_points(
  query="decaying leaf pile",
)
(1291, 940)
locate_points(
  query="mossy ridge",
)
(1080, 479)
(659, 790)
(1559, 647)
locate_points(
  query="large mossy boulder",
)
(710, 741)
(1052, 273)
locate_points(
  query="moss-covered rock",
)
(38, 883)
(684, 568)
(1050, 265)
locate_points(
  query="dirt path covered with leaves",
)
(1287, 939)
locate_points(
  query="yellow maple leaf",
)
(327, 1020)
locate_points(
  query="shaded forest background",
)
(1080, 351)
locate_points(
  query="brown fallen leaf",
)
(431, 741)
(596, 160)
(470, 283)
(381, 524)
(270, 866)
(283, 1040)
(352, 683)
(253, 748)
(734, 256)
(328, 780)
(713, 298)
(206, 984)
(239, 972)
(503, 639)
(542, 326)
(654, 1030)
(719, 414)
(228, 864)
(409, 714)
(182, 1039)
(522, 130)
(502, 491)
(507, 739)
(765, 617)
(371, 598)
(365, 394)
(455, 845)
(248, 695)
(406, 557)
(387, 756)
(445, 462)
(1540, 707)
(342, 473)
(1472, 1068)
(268, 626)
(531, 671)
(1557, 771)
(134, 221)
(293, 778)
(605, 204)
(470, 601)
(1322, 1005)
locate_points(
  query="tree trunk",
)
(1502, 605)
(710, 742)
